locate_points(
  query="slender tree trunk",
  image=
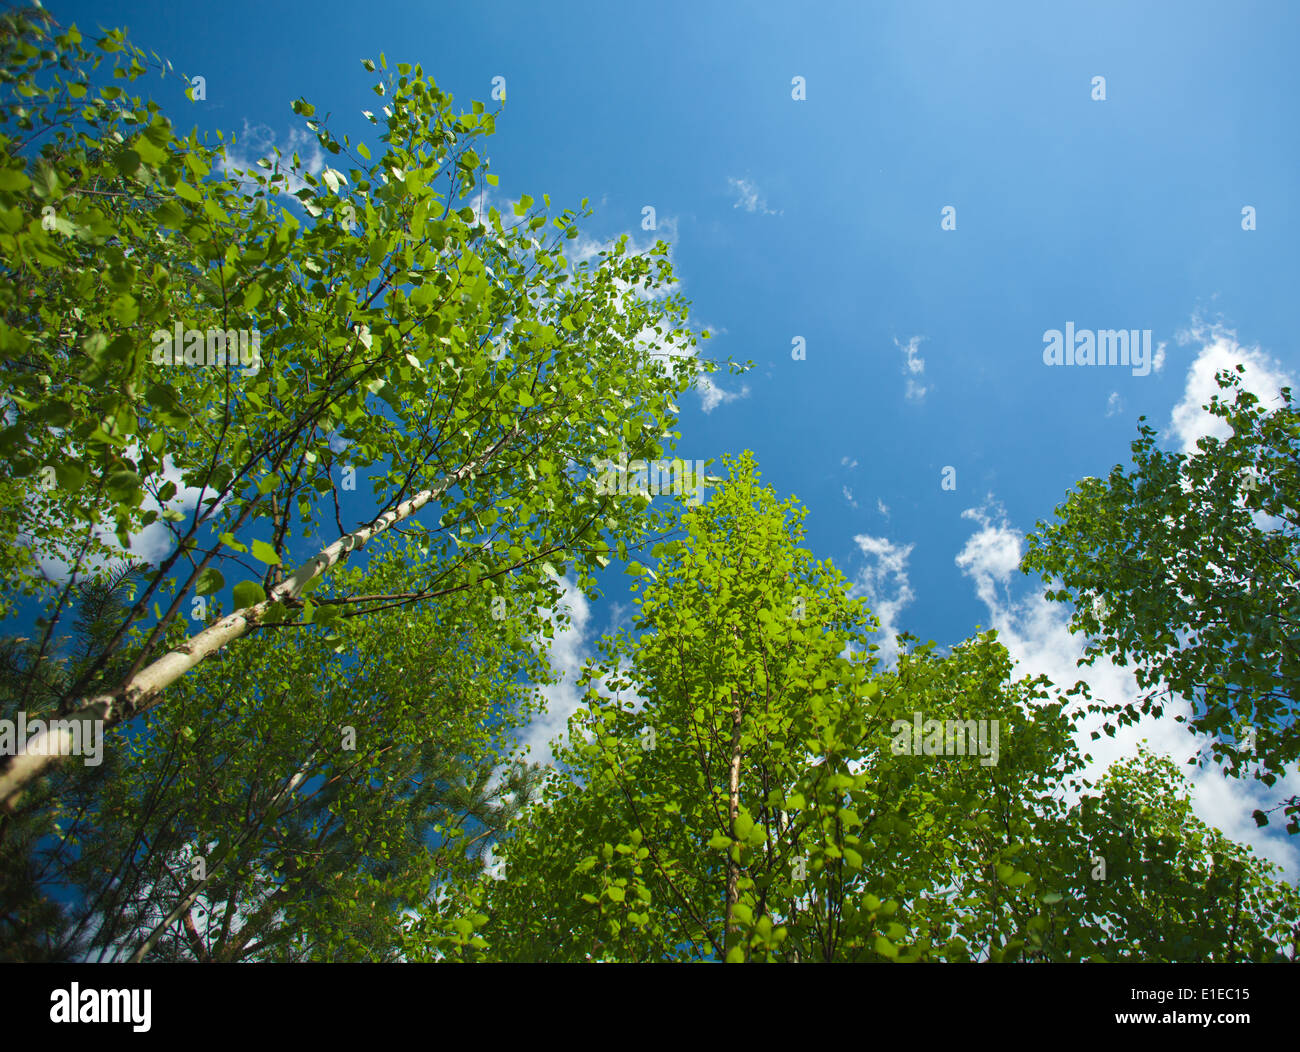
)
(1236, 914)
(733, 809)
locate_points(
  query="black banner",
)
(340, 1001)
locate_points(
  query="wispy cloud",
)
(568, 652)
(750, 198)
(884, 583)
(913, 367)
(258, 142)
(712, 396)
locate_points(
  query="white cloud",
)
(750, 198)
(258, 143)
(845, 462)
(712, 396)
(151, 544)
(913, 366)
(155, 542)
(848, 495)
(584, 250)
(567, 653)
(990, 556)
(1114, 404)
(882, 507)
(884, 583)
(1037, 635)
(1220, 350)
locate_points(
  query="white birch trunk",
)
(47, 748)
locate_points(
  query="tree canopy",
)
(298, 465)
(450, 358)
(738, 788)
(1188, 566)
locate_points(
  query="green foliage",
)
(734, 792)
(1175, 889)
(1198, 559)
(733, 789)
(436, 353)
(325, 789)
(32, 679)
(402, 337)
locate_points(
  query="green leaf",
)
(210, 581)
(327, 613)
(149, 153)
(71, 476)
(127, 162)
(248, 593)
(123, 486)
(263, 552)
(13, 179)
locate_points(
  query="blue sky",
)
(820, 218)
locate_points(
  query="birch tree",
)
(290, 804)
(447, 362)
(738, 789)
